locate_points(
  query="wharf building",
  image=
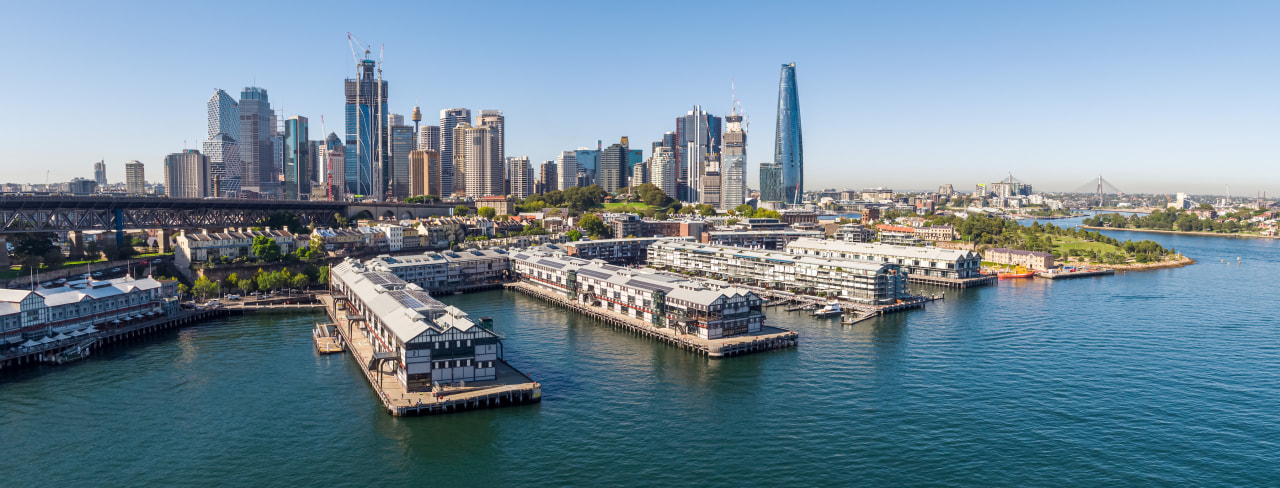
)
(707, 308)
(863, 282)
(447, 271)
(427, 342)
(777, 239)
(624, 251)
(918, 262)
(1029, 259)
(27, 315)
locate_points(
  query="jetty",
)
(768, 339)
(511, 387)
(49, 352)
(1075, 274)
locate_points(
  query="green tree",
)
(594, 226)
(488, 212)
(745, 210)
(266, 249)
(461, 210)
(706, 210)
(53, 258)
(233, 279)
(574, 235)
(246, 286)
(286, 221)
(301, 281)
(322, 275)
(32, 244)
(183, 288)
(340, 221)
(203, 288)
(138, 242)
(660, 215)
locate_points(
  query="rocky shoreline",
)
(1179, 232)
(1177, 263)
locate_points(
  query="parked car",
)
(97, 274)
(60, 281)
(116, 270)
(233, 297)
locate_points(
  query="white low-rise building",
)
(922, 261)
(201, 247)
(26, 314)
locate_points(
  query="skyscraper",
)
(100, 173)
(788, 150)
(567, 170)
(662, 170)
(588, 163)
(612, 174)
(429, 138)
(257, 163)
(548, 179)
(135, 181)
(186, 174)
(496, 123)
(698, 135)
(401, 144)
(459, 143)
(771, 182)
(297, 149)
(450, 118)
(485, 175)
(733, 170)
(639, 174)
(222, 146)
(424, 172)
(521, 176)
(365, 131)
(330, 166)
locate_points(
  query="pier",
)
(769, 338)
(17, 357)
(1075, 274)
(983, 280)
(510, 388)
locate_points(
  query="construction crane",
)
(353, 42)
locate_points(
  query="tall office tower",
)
(733, 170)
(611, 174)
(401, 145)
(429, 138)
(459, 142)
(394, 120)
(450, 118)
(497, 124)
(100, 173)
(697, 135)
(135, 181)
(186, 174)
(588, 163)
(256, 161)
(521, 176)
(417, 120)
(788, 149)
(662, 170)
(365, 132)
(639, 174)
(548, 179)
(484, 176)
(335, 168)
(634, 157)
(222, 146)
(297, 159)
(424, 172)
(711, 189)
(668, 141)
(567, 170)
(771, 182)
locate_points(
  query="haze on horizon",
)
(1156, 97)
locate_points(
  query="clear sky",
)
(1158, 96)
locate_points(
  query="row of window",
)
(461, 363)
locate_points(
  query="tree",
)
(745, 210)
(32, 244)
(204, 288)
(233, 279)
(594, 226)
(340, 221)
(301, 281)
(461, 210)
(660, 215)
(246, 286)
(322, 275)
(138, 242)
(488, 212)
(574, 235)
(286, 221)
(183, 288)
(265, 248)
(53, 258)
(731, 222)
(706, 210)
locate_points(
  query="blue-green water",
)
(1153, 378)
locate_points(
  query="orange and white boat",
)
(1019, 272)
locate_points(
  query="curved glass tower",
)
(788, 149)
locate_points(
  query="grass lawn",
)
(628, 207)
(1063, 244)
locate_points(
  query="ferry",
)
(829, 310)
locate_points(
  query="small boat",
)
(71, 354)
(831, 309)
(1018, 272)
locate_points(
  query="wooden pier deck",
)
(510, 388)
(769, 338)
(1075, 274)
(953, 282)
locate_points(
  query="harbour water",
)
(1157, 378)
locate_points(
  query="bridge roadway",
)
(28, 213)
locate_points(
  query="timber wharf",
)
(982, 280)
(769, 338)
(510, 388)
(1075, 274)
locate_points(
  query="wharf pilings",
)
(716, 348)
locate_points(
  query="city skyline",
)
(959, 95)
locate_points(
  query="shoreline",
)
(1185, 261)
(1180, 232)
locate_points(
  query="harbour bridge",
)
(35, 213)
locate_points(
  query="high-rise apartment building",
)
(297, 159)
(186, 174)
(788, 150)
(711, 187)
(612, 171)
(100, 173)
(548, 179)
(257, 162)
(484, 174)
(429, 138)
(521, 172)
(662, 170)
(401, 144)
(698, 135)
(459, 142)
(424, 172)
(733, 168)
(333, 167)
(135, 181)
(639, 174)
(449, 119)
(496, 123)
(222, 145)
(365, 132)
(567, 170)
(771, 182)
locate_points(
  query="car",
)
(233, 297)
(97, 274)
(60, 281)
(115, 270)
(46, 284)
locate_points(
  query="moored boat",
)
(830, 309)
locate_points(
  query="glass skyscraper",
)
(771, 182)
(256, 160)
(788, 149)
(366, 107)
(733, 168)
(222, 146)
(297, 159)
(449, 119)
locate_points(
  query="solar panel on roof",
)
(595, 274)
(553, 264)
(522, 256)
(645, 285)
(610, 267)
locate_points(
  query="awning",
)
(90, 330)
(29, 343)
(60, 337)
(116, 321)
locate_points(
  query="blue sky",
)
(1156, 96)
